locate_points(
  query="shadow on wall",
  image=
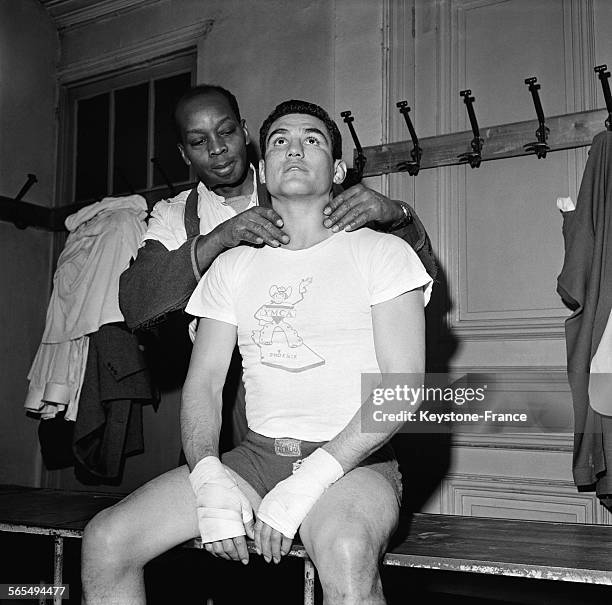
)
(424, 458)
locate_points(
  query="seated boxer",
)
(309, 318)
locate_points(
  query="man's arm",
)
(361, 206)
(224, 512)
(161, 281)
(158, 282)
(399, 340)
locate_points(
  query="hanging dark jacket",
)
(585, 285)
(109, 421)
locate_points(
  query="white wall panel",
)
(496, 229)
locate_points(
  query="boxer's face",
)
(298, 158)
(213, 140)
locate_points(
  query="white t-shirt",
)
(304, 324)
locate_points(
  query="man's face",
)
(213, 140)
(298, 158)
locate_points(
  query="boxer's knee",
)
(350, 551)
(348, 566)
(108, 543)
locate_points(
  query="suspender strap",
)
(192, 222)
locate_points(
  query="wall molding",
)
(532, 442)
(169, 43)
(530, 496)
(68, 15)
(531, 328)
(540, 381)
(579, 46)
(398, 84)
(519, 324)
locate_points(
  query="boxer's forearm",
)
(200, 423)
(202, 401)
(351, 445)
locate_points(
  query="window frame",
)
(108, 82)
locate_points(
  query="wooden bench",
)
(565, 552)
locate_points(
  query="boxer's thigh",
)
(154, 518)
(358, 513)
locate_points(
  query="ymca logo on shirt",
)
(280, 344)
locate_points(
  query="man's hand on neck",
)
(303, 220)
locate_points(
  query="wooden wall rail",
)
(24, 214)
(504, 141)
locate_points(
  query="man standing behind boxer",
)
(230, 207)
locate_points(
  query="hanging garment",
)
(103, 238)
(600, 381)
(585, 285)
(117, 383)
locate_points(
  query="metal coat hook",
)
(604, 75)
(413, 166)
(473, 157)
(26, 186)
(354, 174)
(540, 147)
(164, 176)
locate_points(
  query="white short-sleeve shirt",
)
(304, 324)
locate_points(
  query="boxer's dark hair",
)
(297, 106)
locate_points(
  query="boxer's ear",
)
(339, 171)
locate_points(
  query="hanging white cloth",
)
(103, 237)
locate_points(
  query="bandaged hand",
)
(223, 510)
(287, 504)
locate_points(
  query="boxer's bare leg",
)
(346, 534)
(120, 540)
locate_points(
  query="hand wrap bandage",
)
(287, 504)
(223, 510)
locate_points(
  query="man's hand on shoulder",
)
(256, 225)
(224, 512)
(360, 205)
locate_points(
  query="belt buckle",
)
(286, 446)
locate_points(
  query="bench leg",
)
(58, 566)
(309, 582)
